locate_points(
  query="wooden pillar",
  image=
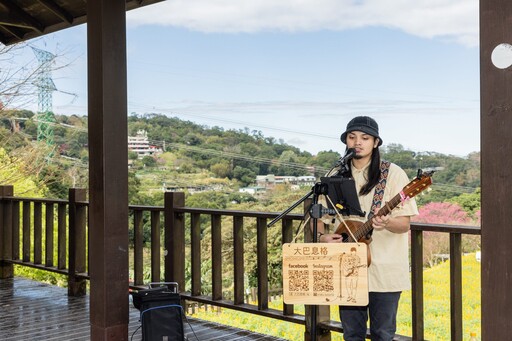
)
(174, 239)
(496, 149)
(108, 169)
(77, 242)
(6, 247)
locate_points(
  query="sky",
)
(298, 71)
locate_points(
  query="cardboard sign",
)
(325, 274)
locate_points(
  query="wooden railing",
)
(65, 236)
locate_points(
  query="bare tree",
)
(20, 81)
(17, 87)
(19, 75)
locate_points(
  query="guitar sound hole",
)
(345, 237)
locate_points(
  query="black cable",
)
(190, 325)
(131, 339)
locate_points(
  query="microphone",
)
(349, 154)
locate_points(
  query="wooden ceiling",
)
(25, 19)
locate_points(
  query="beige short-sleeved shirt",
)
(389, 269)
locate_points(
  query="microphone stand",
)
(289, 209)
(315, 212)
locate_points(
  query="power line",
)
(238, 156)
(246, 124)
(441, 187)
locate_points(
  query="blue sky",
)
(298, 71)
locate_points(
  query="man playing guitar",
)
(377, 182)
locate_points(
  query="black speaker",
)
(161, 313)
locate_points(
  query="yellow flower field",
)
(436, 298)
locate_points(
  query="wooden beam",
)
(496, 147)
(25, 19)
(57, 10)
(10, 30)
(108, 169)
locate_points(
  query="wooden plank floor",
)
(30, 310)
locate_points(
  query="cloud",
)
(453, 20)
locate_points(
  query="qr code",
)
(299, 280)
(323, 280)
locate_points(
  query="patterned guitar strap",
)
(378, 195)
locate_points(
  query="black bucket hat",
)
(362, 123)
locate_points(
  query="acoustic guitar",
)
(362, 231)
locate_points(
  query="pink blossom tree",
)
(442, 213)
(436, 245)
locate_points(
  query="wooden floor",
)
(31, 310)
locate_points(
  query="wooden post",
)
(456, 286)
(49, 232)
(262, 258)
(138, 245)
(195, 251)
(174, 239)
(287, 235)
(238, 259)
(417, 309)
(61, 236)
(77, 242)
(6, 247)
(155, 246)
(216, 257)
(38, 232)
(496, 146)
(108, 169)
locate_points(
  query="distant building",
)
(307, 180)
(190, 189)
(252, 190)
(140, 145)
(270, 180)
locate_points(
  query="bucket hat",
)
(362, 123)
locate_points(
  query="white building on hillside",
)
(140, 145)
(270, 180)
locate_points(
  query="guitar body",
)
(354, 226)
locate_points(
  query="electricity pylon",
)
(45, 118)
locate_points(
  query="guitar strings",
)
(340, 217)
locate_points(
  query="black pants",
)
(382, 309)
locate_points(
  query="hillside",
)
(212, 157)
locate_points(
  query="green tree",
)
(221, 169)
(470, 202)
(14, 171)
(246, 176)
(288, 164)
(210, 199)
(397, 154)
(240, 198)
(148, 161)
(132, 155)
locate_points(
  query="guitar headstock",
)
(422, 181)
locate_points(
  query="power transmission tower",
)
(45, 118)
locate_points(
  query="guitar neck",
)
(419, 184)
(367, 226)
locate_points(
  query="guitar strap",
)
(378, 195)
